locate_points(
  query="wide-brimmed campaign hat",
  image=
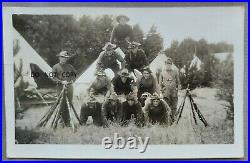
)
(109, 44)
(118, 18)
(64, 54)
(155, 96)
(134, 44)
(124, 72)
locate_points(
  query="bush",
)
(225, 84)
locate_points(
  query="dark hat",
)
(122, 16)
(155, 96)
(100, 73)
(109, 44)
(147, 68)
(124, 72)
(134, 44)
(63, 54)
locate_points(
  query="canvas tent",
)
(159, 62)
(24, 58)
(196, 62)
(222, 56)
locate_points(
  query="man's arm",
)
(178, 80)
(120, 59)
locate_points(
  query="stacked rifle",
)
(56, 110)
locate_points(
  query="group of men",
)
(126, 98)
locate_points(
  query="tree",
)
(153, 43)
(138, 34)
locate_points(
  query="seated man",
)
(123, 84)
(112, 108)
(108, 59)
(157, 110)
(131, 108)
(94, 109)
(101, 84)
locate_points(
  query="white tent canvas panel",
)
(196, 62)
(25, 56)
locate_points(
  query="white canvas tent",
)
(26, 56)
(159, 62)
(196, 62)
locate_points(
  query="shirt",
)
(136, 60)
(107, 61)
(122, 88)
(63, 72)
(169, 81)
(121, 32)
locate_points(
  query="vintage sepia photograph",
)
(125, 78)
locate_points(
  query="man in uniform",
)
(64, 75)
(135, 57)
(131, 109)
(102, 84)
(169, 83)
(94, 109)
(157, 110)
(122, 33)
(112, 108)
(123, 84)
(108, 59)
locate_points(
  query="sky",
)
(215, 24)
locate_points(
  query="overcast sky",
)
(214, 24)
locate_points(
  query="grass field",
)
(220, 130)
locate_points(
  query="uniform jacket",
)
(169, 81)
(108, 61)
(112, 112)
(122, 88)
(136, 61)
(101, 86)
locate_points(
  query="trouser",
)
(172, 102)
(65, 118)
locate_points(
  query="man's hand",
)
(64, 82)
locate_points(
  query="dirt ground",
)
(219, 131)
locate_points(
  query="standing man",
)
(64, 75)
(169, 83)
(122, 33)
(135, 58)
(108, 59)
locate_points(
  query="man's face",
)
(109, 49)
(134, 49)
(63, 59)
(156, 102)
(168, 65)
(131, 102)
(146, 74)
